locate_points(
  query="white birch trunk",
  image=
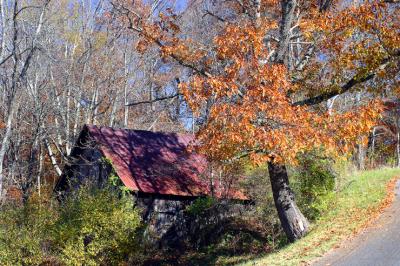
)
(4, 147)
(52, 157)
(126, 110)
(3, 29)
(67, 118)
(39, 176)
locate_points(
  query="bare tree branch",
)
(155, 100)
(346, 87)
(208, 12)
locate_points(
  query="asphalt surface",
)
(379, 245)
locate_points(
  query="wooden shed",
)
(163, 175)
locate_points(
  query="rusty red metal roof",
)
(157, 163)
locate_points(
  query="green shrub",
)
(91, 227)
(96, 227)
(315, 183)
(114, 182)
(200, 205)
(24, 232)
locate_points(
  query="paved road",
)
(377, 246)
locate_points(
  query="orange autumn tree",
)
(260, 99)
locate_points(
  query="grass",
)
(361, 197)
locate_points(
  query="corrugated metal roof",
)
(156, 162)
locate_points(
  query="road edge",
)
(375, 214)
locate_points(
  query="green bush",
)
(114, 182)
(315, 183)
(24, 232)
(91, 227)
(96, 227)
(200, 205)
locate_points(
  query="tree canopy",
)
(258, 84)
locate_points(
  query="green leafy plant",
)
(24, 231)
(91, 227)
(96, 227)
(113, 179)
(315, 183)
(200, 205)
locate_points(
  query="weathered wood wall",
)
(85, 167)
(169, 225)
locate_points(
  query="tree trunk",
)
(293, 222)
(52, 157)
(4, 147)
(288, 16)
(361, 156)
(398, 149)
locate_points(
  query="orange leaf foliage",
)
(251, 102)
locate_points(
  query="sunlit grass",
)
(359, 198)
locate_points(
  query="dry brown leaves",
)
(374, 213)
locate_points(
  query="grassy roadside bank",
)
(361, 198)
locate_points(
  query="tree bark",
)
(52, 157)
(361, 156)
(4, 147)
(288, 14)
(293, 222)
(398, 148)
